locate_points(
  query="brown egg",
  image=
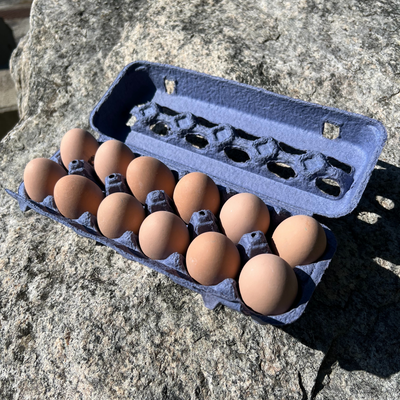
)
(299, 240)
(112, 156)
(75, 194)
(118, 213)
(40, 177)
(211, 258)
(163, 233)
(268, 284)
(78, 144)
(145, 174)
(194, 192)
(244, 213)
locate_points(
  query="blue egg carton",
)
(247, 140)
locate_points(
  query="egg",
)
(78, 144)
(163, 233)
(211, 258)
(244, 213)
(75, 194)
(299, 240)
(40, 177)
(268, 285)
(194, 192)
(119, 212)
(145, 174)
(111, 157)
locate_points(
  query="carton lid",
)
(304, 157)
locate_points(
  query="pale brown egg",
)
(299, 240)
(118, 213)
(268, 285)
(211, 258)
(194, 192)
(75, 194)
(244, 213)
(40, 177)
(112, 157)
(78, 144)
(145, 174)
(163, 233)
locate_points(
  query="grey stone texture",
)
(8, 98)
(78, 321)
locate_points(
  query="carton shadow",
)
(354, 315)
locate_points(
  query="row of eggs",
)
(267, 282)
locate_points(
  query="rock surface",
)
(78, 321)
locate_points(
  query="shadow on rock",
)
(354, 315)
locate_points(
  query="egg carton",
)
(247, 140)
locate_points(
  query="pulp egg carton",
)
(298, 157)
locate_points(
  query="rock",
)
(80, 321)
(8, 94)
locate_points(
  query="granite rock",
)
(78, 321)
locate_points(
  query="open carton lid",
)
(246, 138)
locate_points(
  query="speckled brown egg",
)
(118, 213)
(112, 157)
(163, 233)
(75, 194)
(145, 174)
(299, 240)
(78, 144)
(268, 285)
(40, 177)
(244, 213)
(194, 192)
(211, 258)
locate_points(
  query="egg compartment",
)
(247, 140)
(226, 292)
